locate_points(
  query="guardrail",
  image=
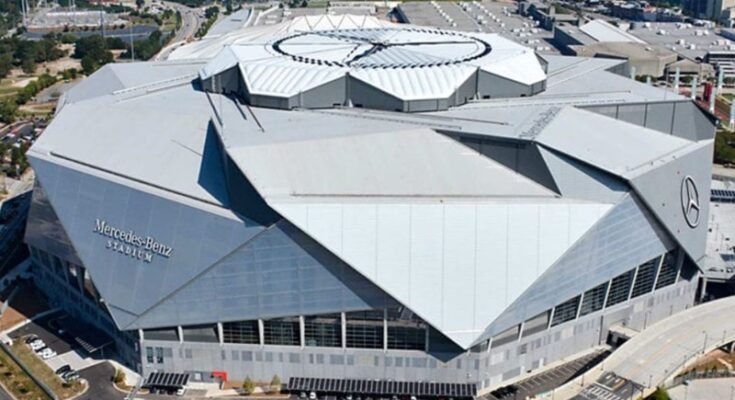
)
(694, 375)
(28, 371)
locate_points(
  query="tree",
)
(276, 384)
(659, 394)
(211, 12)
(248, 386)
(139, 4)
(8, 110)
(6, 64)
(89, 65)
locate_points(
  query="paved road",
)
(190, 21)
(548, 380)
(99, 378)
(666, 347)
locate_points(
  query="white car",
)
(48, 353)
(39, 344)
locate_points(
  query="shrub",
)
(119, 376)
(276, 384)
(248, 386)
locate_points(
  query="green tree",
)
(248, 386)
(8, 110)
(89, 65)
(659, 394)
(6, 64)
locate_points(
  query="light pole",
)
(704, 346)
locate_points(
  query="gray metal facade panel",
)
(691, 123)
(624, 238)
(662, 190)
(198, 238)
(280, 272)
(577, 180)
(494, 86)
(521, 157)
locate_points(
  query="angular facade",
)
(272, 203)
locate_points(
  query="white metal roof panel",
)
(603, 31)
(456, 265)
(613, 145)
(413, 163)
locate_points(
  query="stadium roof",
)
(392, 194)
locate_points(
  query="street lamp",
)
(704, 346)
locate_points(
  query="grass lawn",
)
(17, 382)
(168, 24)
(728, 96)
(44, 373)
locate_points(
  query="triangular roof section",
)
(677, 192)
(457, 264)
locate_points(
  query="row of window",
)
(628, 285)
(393, 328)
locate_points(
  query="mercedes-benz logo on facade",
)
(690, 201)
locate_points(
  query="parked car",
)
(47, 353)
(63, 369)
(30, 339)
(38, 346)
(312, 396)
(71, 376)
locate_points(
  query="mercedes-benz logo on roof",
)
(382, 47)
(690, 201)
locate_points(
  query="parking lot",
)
(53, 331)
(46, 329)
(610, 387)
(548, 380)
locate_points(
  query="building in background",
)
(271, 201)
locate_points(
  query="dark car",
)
(63, 369)
(30, 338)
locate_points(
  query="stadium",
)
(342, 197)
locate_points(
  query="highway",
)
(663, 350)
(190, 21)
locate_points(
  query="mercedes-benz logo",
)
(690, 201)
(375, 47)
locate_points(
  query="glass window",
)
(159, 355)
(507, 336)
(644, 277)
(620, 288)
(241, 332)
(593, 299)
(323, 330)
(200, 333)
(161, 334)
(149, 355)
(406, 331)
(536, 324)
(668, 272)
(566, 311)
(365, 329)
(281, 331)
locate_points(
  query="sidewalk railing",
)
(706, 374)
